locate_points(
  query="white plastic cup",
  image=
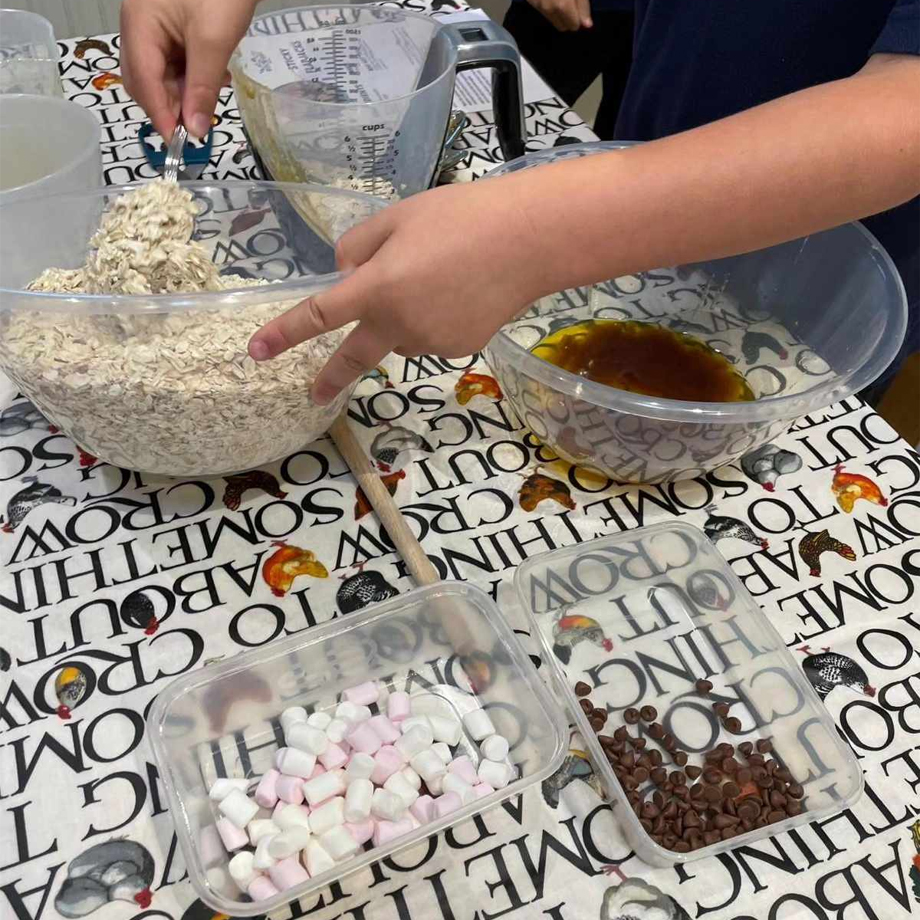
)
(28, 55)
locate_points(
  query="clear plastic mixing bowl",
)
(162, 383)
(808, 323)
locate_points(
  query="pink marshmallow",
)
(266, 792)
(290, 789)
(363, 738)
(398, 706)
(445, 804)
(364, 694)
(231, 836)
(388, 760)
(287, 873)
(361, 832)
(261, 888)
(333, 757)
(318, 770)
(463, 767)
(385, 831)
(422, 809)
(385, 730)
(482, 790)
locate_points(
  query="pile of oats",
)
(173, 393)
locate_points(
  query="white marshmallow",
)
(307, 738)
(290, 816)
(387, 805)
(319, 720)
(261, 827)
(237, 807)
(294, 762)
(241, 869)
(317, 859)
(478, 724)
(336, 730)
(323, 787)
(411, 777)
(288, 842)
(338, 842)
(428, 765)
(453, 783)
(262, 859)
(359, 767)
(222, 787)
(400, 786)
(445, 729)
(291, 716)
(443, 751)
(416, 739)
(358, 800)
(429, 704)
(352, 712)
(412, 721)
(435, 784)
(326, 816)
(496, 775)
(495, 747)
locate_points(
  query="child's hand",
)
(565, 15)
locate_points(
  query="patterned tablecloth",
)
(113, 584)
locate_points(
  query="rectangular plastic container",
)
(445, 639)
(640, 617)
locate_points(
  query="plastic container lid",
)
(641, 617)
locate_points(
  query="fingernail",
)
(322, 396)
(258, 350)
(199, 125)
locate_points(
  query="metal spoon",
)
(174, 154)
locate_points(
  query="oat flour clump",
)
(168, 392)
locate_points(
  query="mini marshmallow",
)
(443, 751)
(220, 882)
(331, 814)
(290, 789)
(319, 720)
(445, 804)
(261, 827)
(385, 730)
(482, 790)
(385, 831)
(317, 859)
(261, 889)
(387, 806)
(422, 809)
(416, 739)
(222, 787)
(290, 816)
(362, 832)
(478, 724)
(398, 706)
(410, 723)
(291, 716)
(352, 713)
(427, 764)
(453, 783)
(435, 784)
(428, 704)
(211, 847)
(463, 767)
(336, 730)
(445, 729)
(263, 859)
(411, 777)
(323, 787)
(364, 694)
(318, 770)
(386, 762)
(338, 843)
(400, 786)
(305, 737)
(231, 836)
(495, 747)
(289, 842)
(239, 808)
(363, 738)
(361, 766)
(241, 869)
(294, 762)
(358, 800)
(497, 775)
(266, 793)
(288, 873)
(334, 756)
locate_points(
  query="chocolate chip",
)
(658, 799)
(691, 819)
(703, 686)
(713, 756)
(681, 847)
(655, 758)
(659, 776)
(669, 841)
(732, 725)
(646, 825)
(621, 734)
(728, 833)
(765, 795)
(793, 807)
(643, 761)
(771, 766)
(730, 766)
(587, 707)
(650, 811)
(720, 709)
(746, 748)
(631, 716)
(640, 774)
(761, 821)
(648, 713)
(749, 810)
(582, 689)
(712, 775)
(638, 743)
(599, 713)
(595, 723)
(695, 841)
(796, 791)
(756, 760)
(747, 824)
(712, 793)
(669, 742)
(764, 746)
(743, 776)
(628, 782)
(692, 771)
(657, 839)
(678, 778)
(696, 791)
(680, 758)
(728, 805)
(731, 790)
(723, 821)
(784, 775)
(711, 837)
(606, 741)
(776, 815)
(765, 781)
(660, 826)
(670, 811)
(628, 759)
(678, 826)
(656, 730)
(777, 799)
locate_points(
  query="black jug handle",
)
(483, 43)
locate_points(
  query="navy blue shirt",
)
(695, 61)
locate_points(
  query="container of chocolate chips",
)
(700, 724)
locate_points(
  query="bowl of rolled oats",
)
(126, 313)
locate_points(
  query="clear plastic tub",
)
(28, 54)
(640, 617)
(439, 639)
(162, 383)
(807, 323)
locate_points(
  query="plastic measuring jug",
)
(360, 97)
(28, 55)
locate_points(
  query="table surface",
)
(85, 787)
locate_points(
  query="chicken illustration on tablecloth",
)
(721, 527)
(470, 385)
(22, 416)
(573, 628)
(538, 487)
(362, 503)
(812, 546)
(636, 899)
(753, 342)
(117, 870)
(827, 670)
(239, 483)
(850, 487)
(577, 765)
(766, 464)
(365, 588)
(34, 494)
(70, 687)
(288, 562)
(392, 442)
(137, 611)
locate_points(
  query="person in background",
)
(766, 122)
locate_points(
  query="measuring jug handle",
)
(484, 43)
